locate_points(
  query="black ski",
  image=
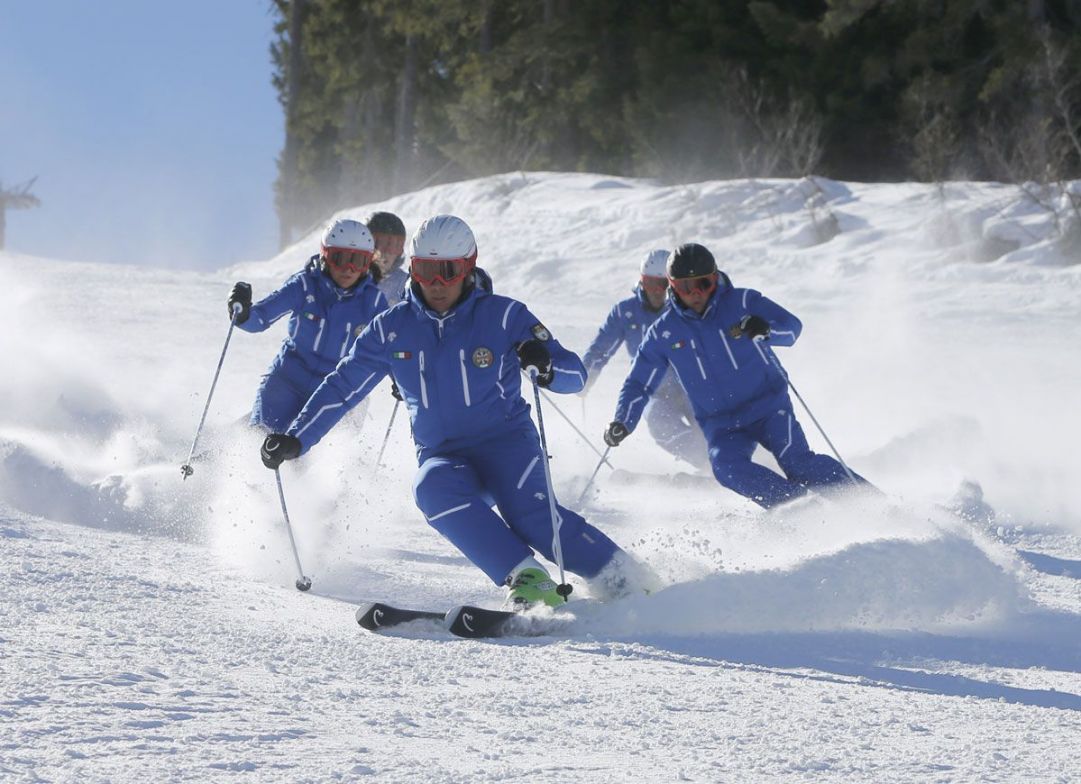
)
(466, 621)
(477, 622)
(376, 617)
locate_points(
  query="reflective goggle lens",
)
(348, 258)
(704, 283)
(446, 271)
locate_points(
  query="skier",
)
(455, 351)
(670, 417)
(388, 231)
(718, 339)
(331, 301)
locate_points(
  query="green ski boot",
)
(530, 586)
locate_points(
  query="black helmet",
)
(690, 260)
(385, 223)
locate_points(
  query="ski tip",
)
(378, 616)
(364, 616)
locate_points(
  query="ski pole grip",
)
(237, 307)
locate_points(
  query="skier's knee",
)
(434, 486)
(728, 472)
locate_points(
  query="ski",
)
(376, 616)
(465, 621)
(621, 476)
(477, 622)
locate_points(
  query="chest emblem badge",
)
(483, 357)
(540, 333)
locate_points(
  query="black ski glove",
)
(241, 295)
(534, 354)
(615, 433)
(394, 391)
(277, 448)
(754, 327)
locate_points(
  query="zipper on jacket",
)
(319, 335)
(423, 386)
(465, 378)
(731, 356)
(698, 359)
(345, 343)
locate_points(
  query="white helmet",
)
(349, 234)
(655, 264)
(444, 237)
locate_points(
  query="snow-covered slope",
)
(150, 624)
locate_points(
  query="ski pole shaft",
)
(303, 583)
(563, 589)
(577, 430)
(186, 469)
(386, 438)
(589, 484)
(807, 408)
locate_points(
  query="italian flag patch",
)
(402, 355)
(679, 344)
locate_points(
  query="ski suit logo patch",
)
(679, 344)
(540, 333)
(483, 357)
(402, 355)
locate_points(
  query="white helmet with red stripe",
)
(444, 237)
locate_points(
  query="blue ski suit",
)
(669, 418)
(476, 445)
(324, 323)
(739, 396)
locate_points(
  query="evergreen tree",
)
(17, 197)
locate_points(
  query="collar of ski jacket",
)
(315, 269)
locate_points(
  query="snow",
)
(150, 625)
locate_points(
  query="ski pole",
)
(386, 438)
(604, 457)
(303, 583)
(589, 484)
(806, 408)
(563, 589)
(186, 469)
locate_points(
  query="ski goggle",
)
(447, 271)
(702, 283)
(349, 259)
(389, 245)
(654, 284)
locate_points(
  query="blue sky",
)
(152, 127)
